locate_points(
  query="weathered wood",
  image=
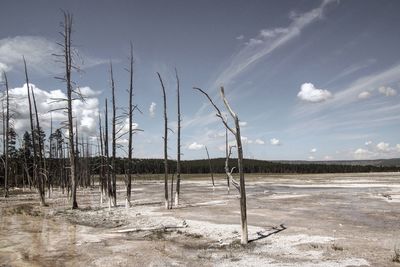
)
(236, 132)
(165, 144)
(130, 134)
(178, 158)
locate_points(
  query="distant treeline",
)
(150, 166)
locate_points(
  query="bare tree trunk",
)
(114, 140)
(211, 169)
(37, 177)
(130, 145)
(67, 60)
(178, 160)
(102, 178)
(41, 173)
(6, 134)
(227, 160)
(165, 144)
(236, 133)
(109, 189)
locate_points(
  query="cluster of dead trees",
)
(65, 162)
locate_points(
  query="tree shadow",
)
(275, 231)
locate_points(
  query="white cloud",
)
(242, 123)
(327, 157)
(309, 93)
(266, 42)
(367, 143)
(38, 52)
(240, 37)
(398, 147)
(259, 142)
(382, 146)
(152, 109)
(313, 150)
(364, 95)
(86, 112)
(195, 146)
(275, 142)
(362, 153)
(311, 157)
(387, 91)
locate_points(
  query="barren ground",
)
(294, 220)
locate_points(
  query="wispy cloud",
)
(351, 69)
(266, 42)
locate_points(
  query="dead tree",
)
(114, 140)
(165, 144)
(41, 170)
(103, 184)
(66, 58)
(227, 154)
(130, 137)
(37, 177)
(6, 134)
(236, 132)
(106, 151)
(178, 157)
(211, 169)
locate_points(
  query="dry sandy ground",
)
(294, 220)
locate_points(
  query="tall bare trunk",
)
(68, 64)
(130, 144)
(103, 185)
(114, 140)
(41, 171)
(109, 189)
(37, 177)
(6, 134)
(165, 144)
(178, 158)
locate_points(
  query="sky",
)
(309, 79)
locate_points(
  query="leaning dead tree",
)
(236, 132)
(211, 169)
(165, 144)
(178, 158)
(38, 178)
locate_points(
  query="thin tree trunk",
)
(130, 144)
(6, 134)
(236, 133)
(109, 190)
(165, 144)
(211, 169)
(178, 159)
(67, 54)
(37, 178)
(102, 178)
(227, 160)
(114, 140)
(41, 174)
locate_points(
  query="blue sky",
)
(313, 80)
